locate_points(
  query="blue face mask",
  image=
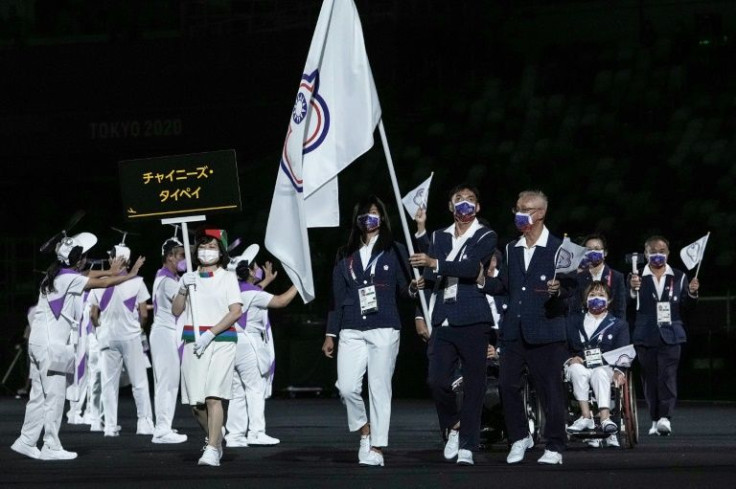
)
(597, 304)
(369, 222)
(465, 211)
(594, 257)
(657, 260)
(523, 221)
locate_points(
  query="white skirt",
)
(208, 375)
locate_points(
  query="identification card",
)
(368, 299)
(664, 313)
(593, 357)
(450, 293)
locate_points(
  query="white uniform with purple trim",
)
(51, 359)
(165, 340)
(119, 337)
(254, 365)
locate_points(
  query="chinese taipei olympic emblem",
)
(309, 108)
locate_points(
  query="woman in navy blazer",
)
(589, 335)
(370, 272)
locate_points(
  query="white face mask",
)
(208, 257)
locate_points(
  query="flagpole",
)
(404, 224)
(702, 252)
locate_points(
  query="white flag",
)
(332, 123)
(338, 106)
(620, 357)
(417, 198)
(693, 253)
(569, 255)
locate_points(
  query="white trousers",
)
(246, 413)
(113, 356)
(166, 372)
(45, 408)
(598, 378)
(94, 380)
(373, 351)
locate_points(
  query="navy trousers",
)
(449, 347)
(545, 363)
(659, 377)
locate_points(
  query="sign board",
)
(180, 185)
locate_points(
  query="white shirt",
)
(56, 313)
(165, 288)
(255, 305)
(659, 283)
(367, 250)
(212, 297)
(590, 324)
(119, 315)
(529, 250)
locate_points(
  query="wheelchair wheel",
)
(533, 407)
(629, 432)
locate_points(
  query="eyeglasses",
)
(524, 210)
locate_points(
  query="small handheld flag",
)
(417, 198)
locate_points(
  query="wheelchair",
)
(623, 413)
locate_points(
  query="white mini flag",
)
(569, 255)
(417, 198)
(693, 253)
(620, 357)
(331, 124)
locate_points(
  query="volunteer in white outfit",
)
(93, 411)
(119, 314)
(210, 299)
(255, 358)
(370, 272)
(589, 336)
(165, 338)
(50, 353)
(77, 393)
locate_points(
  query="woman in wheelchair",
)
(589, 335)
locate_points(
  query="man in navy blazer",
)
(461, 319)
(533, 328)
(660, 295)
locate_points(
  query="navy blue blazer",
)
(391, 281)
(532, 314)
(615, 281)
(470, 306)
(646, 330)
(612, 333)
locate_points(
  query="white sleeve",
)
(143, 294)
(93, 297)
(256, 299)
(171, 288)
(77, 285)
(232, 290)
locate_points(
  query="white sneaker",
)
(518, 450)
(74, 419)
(365, 447)
(145, 427)
(209, 457)
(169, 437)
(581, 424)
(56, 454)
(262, 439)
(24, 449)
(236, 441)
(593, 442)
(664, 427)
(611, 441)
(550, 458)
(465, 457)
(653, 429)
(374, 459)
(609, 426)
(453, 445)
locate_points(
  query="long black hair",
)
(355, 240)
(47, 284)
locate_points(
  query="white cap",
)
(249, 254)
(122, 251)
(68, 243)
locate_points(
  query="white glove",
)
(188, 279)
(204, 340)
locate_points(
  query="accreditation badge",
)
(449, 294)
(664, 313)
(368, 299)
(593, 357)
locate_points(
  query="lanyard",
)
(598, 335)
(372, 265)
(672, 288)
